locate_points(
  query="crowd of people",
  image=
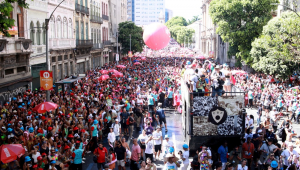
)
(92, 113)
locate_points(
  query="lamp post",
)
(117, 49)
(130, 46)
(46, 28)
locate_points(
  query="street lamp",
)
(130, 48)
(287, 7)
(47, 62)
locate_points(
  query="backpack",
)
(281, 132)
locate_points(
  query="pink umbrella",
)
(45, 106)
(137, 63)
(121, 66)
(201, 58)
(143, 58)
(103, 71)
(117, 74)
(103, 77)
(112, 71)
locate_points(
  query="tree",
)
(240, 22)
(195, 18)
(174, 30)
(185, 33)
(277, 50)
(137, 42)
(5, 10)
(176, 21)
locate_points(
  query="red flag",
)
(233, 80)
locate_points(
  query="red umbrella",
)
(10, 152)
(112, 71)
(117, 74)
(45, 106)
(104, 77)
(143, 58)
(137, 63)
(103, 71)
(121, 66)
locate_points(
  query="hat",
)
(27, 159)
(188, 62)
(95, 122)
(70, 136)
(9, 129)
(185, 146)
(117, 120)
(75, 128)
(169, 155)
(34, 166)
(167, 136)
(157, 127)
(274, 164)
(53, 162)
(171, 149)
(50, 128)
(78, 141)
(44, 154)
(259, 131)
(217, 66)
(66, 147)
(31, 129)
(39, 158)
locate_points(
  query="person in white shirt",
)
(217, 76)
(157, 137)
(111, 137)
(288, 153)
(170, 165)
(167, 144)
(185, 157)
(149, 147)
(35, 154)
(143, 138)
(243, 165)
(116, 128)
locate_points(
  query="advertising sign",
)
(46, 80)
(129, 53)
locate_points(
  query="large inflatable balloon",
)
(156, 36)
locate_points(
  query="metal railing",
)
(84, 43)
(105, 17)
(86, 11)
(96, 19)
(82, 9)
(98, 46)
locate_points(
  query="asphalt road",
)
(174, 132)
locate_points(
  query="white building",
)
(196, 41)
(147, 12)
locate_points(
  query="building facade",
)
(130, 10)
(61, 39)
(105, 28)
(37, 13)
(15, 73)
(168, 15)
(196, 41)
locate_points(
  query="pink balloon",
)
(156, 36)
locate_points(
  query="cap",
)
(78, 141)
(167, 136)
(75, 128)
(31, 129)
(70, 136)
(39, 158)
(66, 147)
(44, 154)
(117, 120)
(27, 159)
(185, 146)
(34, 166)
(274, 164)
(50, 128)
(157, 127)
(95, 122)
(259, 131)
(53, 162)
(217, 66)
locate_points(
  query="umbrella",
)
(137, 63)
(143, 58)
(45, 106)
(121, 66)
(117, 74)
(10, 152)
(103, 71)
(201, 57)
(104, 77)
(112, 71)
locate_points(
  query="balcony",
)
(13, 46)
(97, 46)
(105, 17)
(61, 43)
(96, 19)
(84, 43)
(82, 9)
(106, 43)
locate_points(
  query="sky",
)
(184, 8)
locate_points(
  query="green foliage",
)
(277, 50)
(5, 9)
(176, 21)
(186, 33)
(137, 42)
(240, 22)
(195, 18)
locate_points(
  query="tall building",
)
(105, 30)
(144, 12)
(61, 38)
(37, 13)
(15, 74)
(168, 15)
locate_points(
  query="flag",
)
(233, 80)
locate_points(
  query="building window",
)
(70, 33)
(52, 26)
(21, 69)
(87, 31)
(59, 58)
(82, 30)
(44, 35)
(53, 59)
(9, 71)
(58, 27)
(38, 34)
(65, 28)
(32, 32)
(92, 35)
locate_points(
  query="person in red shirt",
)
(248, 151)
(101, 153)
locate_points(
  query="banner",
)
(129, 53)
(46, 80)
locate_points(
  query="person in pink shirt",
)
(135, 155)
